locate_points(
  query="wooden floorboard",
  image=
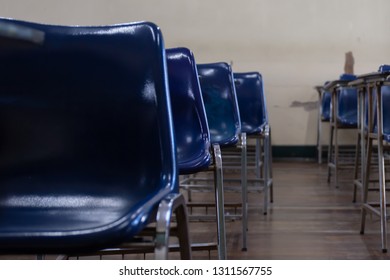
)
(309, 219)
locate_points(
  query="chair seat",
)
(348, 120)
(347, 113)
(195, 163)
(78, 205)
(250, 130)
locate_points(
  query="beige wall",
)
(295, 44)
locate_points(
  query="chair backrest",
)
(189, 115)
(219, 96)
(326, 99)
(347, 106)
(325, 105)
(385, 92)
(347, 98)
(251, 101)
(86, 141)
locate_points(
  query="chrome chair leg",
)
(382, 196)
(173, 203)
(356, 170)
(382, 174)
(258, 152)
(244, 192)
(330, 151)
(266, 169)
(219, 200)
(271, 187)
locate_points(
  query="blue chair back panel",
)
(325, 104)
(347, 106)
(86, 145)
(218, 90)
(385, 91)
(189, 115)
(251, 101)
(347, 77)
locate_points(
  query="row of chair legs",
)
(225, 161)
(369, 157)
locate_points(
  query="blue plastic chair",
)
(189, 116)
(254, 123)
(218, 90)
(223, 116)
(344, 115)
(251, 102)
(88, 154)
(192, 132)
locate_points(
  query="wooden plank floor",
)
(309, 219)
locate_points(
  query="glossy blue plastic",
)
(385, 92)
(384, 68)
(325, 103)
(347, 103)
(251, 102)
(347, 106)
(218, 90)
(189, 115)
(86, 140)
(347, 77)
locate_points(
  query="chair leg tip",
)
(361, 232)
(244, 249)
(384, 250)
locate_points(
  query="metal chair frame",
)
(334, 162)
(374, 83)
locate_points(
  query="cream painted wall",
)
(295, 44)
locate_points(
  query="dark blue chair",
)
(218, 90)
(254, 123)
(344, 115)
(219, 96)
(88, 154)
(189, 115)
(251, 102)
(192, 134)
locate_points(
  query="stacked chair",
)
(88, 153)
